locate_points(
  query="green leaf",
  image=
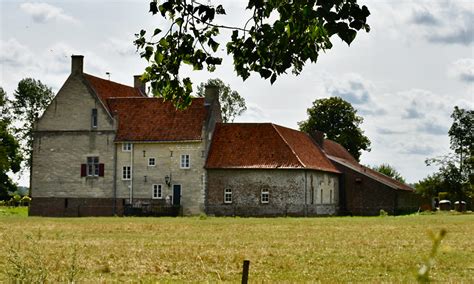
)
(158, 57)
(157, 31)
(179, 21)
(164, 43)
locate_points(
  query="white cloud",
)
(463, 69)
(43, 12)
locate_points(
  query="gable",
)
(71, 109)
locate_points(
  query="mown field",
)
(193, 249)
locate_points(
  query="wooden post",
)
(245, 272)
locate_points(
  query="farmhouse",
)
(103, 148)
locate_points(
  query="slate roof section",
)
(264, 146)
(152, 119)
(106, 89)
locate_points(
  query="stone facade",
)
(64, 138)
(292, 192)
(167, 157)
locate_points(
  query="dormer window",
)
(94, 118)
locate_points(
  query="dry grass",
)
(342, 249)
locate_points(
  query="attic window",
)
(94, 118)
(126, 147)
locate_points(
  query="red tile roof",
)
(337, 153)
(264, 146)
(335, 149)
(152, 119)
(107, 89)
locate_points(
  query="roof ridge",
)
(113, 82)
(287, 144)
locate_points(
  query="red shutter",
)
(83, 170)
(101, 170)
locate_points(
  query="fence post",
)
(245, 272)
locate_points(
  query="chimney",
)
(138, 84)
(318, 137)
(77, 64)
(211, 94)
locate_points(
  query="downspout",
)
(131, 174)
(115, 179)
(305, 194)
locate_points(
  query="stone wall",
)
(291, 192)
(63, 140)
(167, 158)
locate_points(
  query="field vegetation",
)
(202, 249)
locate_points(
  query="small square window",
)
(228, 195)
(157, 192)
(185, 162)
(265, 196)
(151, 162)
(126, 172)
(127, 147)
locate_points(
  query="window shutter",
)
(101, 170)
(83, 170)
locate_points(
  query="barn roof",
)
(338, 154)
(264, 146)
(152, 119)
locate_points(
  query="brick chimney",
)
(77, 64)
(318, 137)
(138, 84)
(211, 95)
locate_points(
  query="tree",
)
(232, 104)
(390, 171)
(278, 36)
(30, 100)
(430, 186)
(457, 169)
(10, 158)
(339, 121)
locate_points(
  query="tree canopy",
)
(30, 100)
(456, 172)
(390, 171)
(279, 35)
(10, 158)
(339, 121)
(232, 104)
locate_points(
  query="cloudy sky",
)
(404, 77)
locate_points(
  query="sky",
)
(404, 77)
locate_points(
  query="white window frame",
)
(265, 196)
(126, 173)
(157, 191)
(185, 161)
(92, 166)
(228, 195)
(126, 147)
(154, 162)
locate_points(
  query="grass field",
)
(193, 249)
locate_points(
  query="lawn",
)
(193, 249)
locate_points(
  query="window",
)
(126, 172)
(151, 162)
(330, 196)
(127, 147)
(321, 196)
(185, 161)
(265, 196)
(157, 192)
(94, 118)
(92, 166)
(228, 195)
